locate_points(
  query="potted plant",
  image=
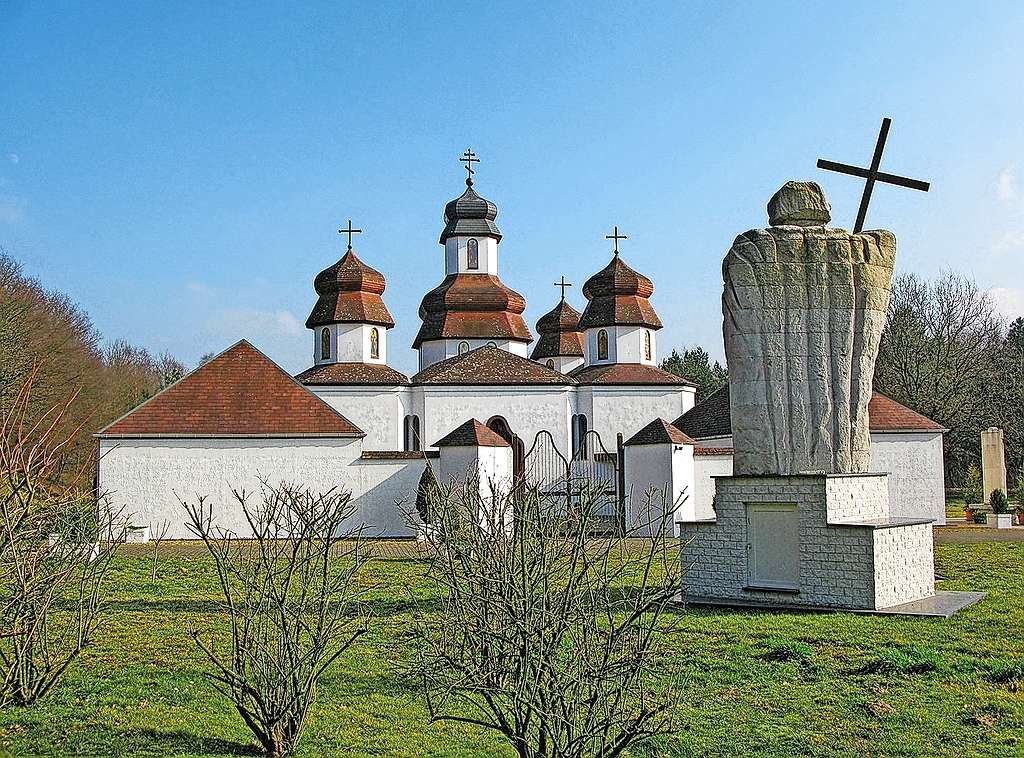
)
(1001, 509)
(973, 495)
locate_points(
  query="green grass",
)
(757, 683)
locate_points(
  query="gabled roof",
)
(712, 417)
(490, 365)
(472, 433)
(351, 373)
(239, 393)
(658, 432)
(626, 373)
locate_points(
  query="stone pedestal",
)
(993, 461)
(816, 541)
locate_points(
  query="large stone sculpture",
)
(804, 307)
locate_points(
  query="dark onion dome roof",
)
(351, 373)
(472, 306)
(470, 215)
(713, 417)
(487, 366)
(559, 335)
(618, 296)
(349, 293)
(628, 374)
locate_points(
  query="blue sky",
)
(180, 170)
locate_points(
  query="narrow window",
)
(472, 255)
(575, 426)
(602, 345)
(463, 348)
(411, 433)
(550, 363)
(647, 346)
(407, 433)
(374, 343)
(415, 432)
(325, 344)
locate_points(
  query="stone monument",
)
(993, 461)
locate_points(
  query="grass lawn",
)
(765, 684)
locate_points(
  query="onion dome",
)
(618, 296)
(472, 306)
(470, 216)
(349, 293)
(559, 333)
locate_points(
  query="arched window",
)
(374, 343)
(579, 437)
(325, 344)
(492, 344)
(602, 345)
(550, 363)
(647, 346)
(463, 348)
(472, 255)
(411, 435)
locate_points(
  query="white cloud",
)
(254, 323)
(1009, 301)
(1006, 185)
(12, 209)
(1010, 241)
(13, 158)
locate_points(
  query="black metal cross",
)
(350, 231)
(873, 175)
(563, 284)
(469, 158)
(615, 236)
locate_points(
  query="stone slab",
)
(942, 604)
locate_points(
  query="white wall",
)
(704, 468)
(377, 410)
(350, 343)
(562, 363)
(625, 345)
(145, 476)
(627, 409)
(917, 487)
(456, 262)
(435, 351)
(669, 470)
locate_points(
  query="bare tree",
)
(157, 534)
(544, 634)
(55, 550)
(291, 600)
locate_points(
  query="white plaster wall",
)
(528, 410)
(625, 345)
(666, 468)
(914, 463)
(434, 351)
(377, 410)
(627, 409)
(144, 477)
(350, 343)
(456, 260)
(705, 467)
(562, 363)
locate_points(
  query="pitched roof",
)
(472, 306)
(626, 373)
(657, 432)
(712, 417)
(351, 373)
(618, 295)
(489, 365)
(239, 393)
(472, 433)
(349, 292)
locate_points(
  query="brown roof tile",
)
(559, 333)
(349, 293)
(618, 295)
(626, 373)
(475, 306)
(886, 415)
(658, 432)
(489, 365)
(239, 393)
(351, 373)
(472, 433)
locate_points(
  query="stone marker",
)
(803, 308)
(993, 461)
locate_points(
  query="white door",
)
(773, 546)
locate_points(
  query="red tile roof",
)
(349, 293)
(559, 333)
(351, 373)
(239, 393)
(474, 306)
(886, 415)
(658, 432)
(489, 365)
(626, 373)
(618, 295)
(472, 433)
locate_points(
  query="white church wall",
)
(705, 467)
(350, 343)
(914, 462)
(456, 259)
(376, 410)
(626, 344)
(434, 351)
(669, 470)
(627, 409)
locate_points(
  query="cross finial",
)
(469, 158)
(873, 175)
(563, 284)
(350, 231)
(616, 237)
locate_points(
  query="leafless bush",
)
(291, 600)
(544, 634)
(157, 534)
(52, 555)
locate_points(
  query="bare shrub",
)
(55, 549)
(157, 534)
(544, 634)
(292, 603)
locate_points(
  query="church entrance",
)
(499, 426)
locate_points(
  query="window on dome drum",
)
(411, 435)
(550, 363)
(602, 345)
(647, 346)
(374, 343)
(472, 255)
(492, 344)
(325, 344)
(463, 348)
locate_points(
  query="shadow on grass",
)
(159, 742)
